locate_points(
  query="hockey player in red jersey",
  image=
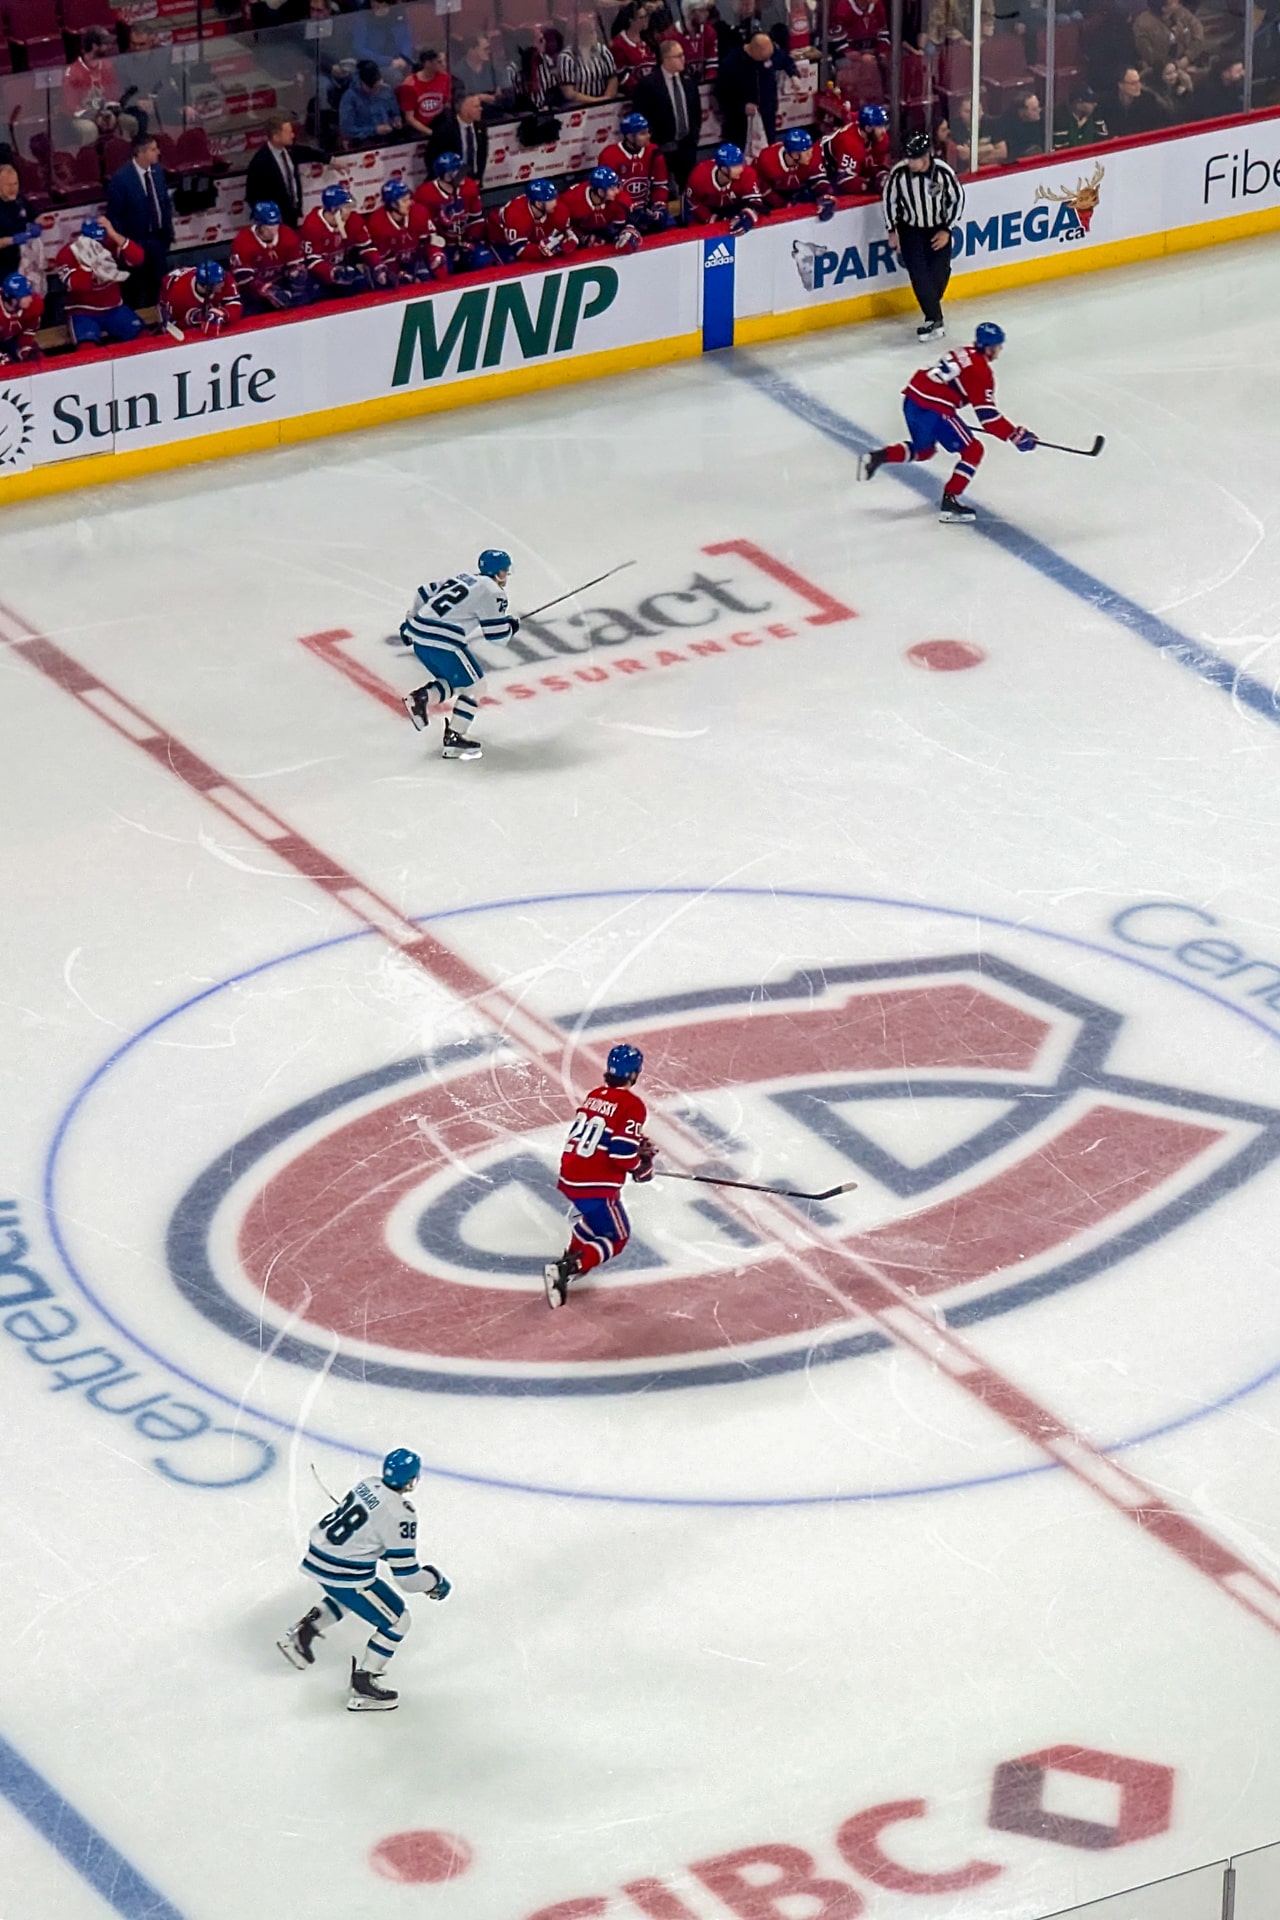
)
(336, 246)
(451, 202)
(858, 156)
(791, 174)
(642, 173)
(21, 312)
(199, 299)
(724, 188)
(532, 226)
(606, 1143)
(91, 267)
(266, 260)
(598, 213)
(931, 403)
(407, 245)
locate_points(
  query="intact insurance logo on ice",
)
(346, 1228)
(1002, 218)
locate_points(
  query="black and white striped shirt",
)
(588, 73)
(932, 199)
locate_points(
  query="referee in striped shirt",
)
(923, 199)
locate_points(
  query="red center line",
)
(817, 1258)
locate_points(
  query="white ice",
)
(757, 1626)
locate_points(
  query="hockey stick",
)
(548, 604)
(1088, 453)
(320, 1483)
(750, 1186)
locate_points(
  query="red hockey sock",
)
(585, 1254)
(895, 456)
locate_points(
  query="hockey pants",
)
(456, 671)
(113, 323)
(930, 430)
(600, 1231)
(382, 1607)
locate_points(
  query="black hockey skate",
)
(368, 1695)
(415, 705)
(932, 330)
(870, 463)
(298, 1642)
(459, 746)
(956, 512)
(556, 1276)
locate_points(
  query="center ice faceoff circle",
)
(342, 1184)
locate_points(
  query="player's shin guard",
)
(465, 708)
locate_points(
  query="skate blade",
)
(551, 1287)
(461, 753)
(419, 719)
(292, 1655)
(357, 1703)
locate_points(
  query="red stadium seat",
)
(77, 176)
(1067, 58)
(116, 153)
(192, 152)
(1004, 69)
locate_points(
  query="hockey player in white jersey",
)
(446, 616)
(374, 1522)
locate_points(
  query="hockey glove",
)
(442, 1588)
(826, 209)
(741, 223)
(1024, 440)
(628, 240)
(643, 1169)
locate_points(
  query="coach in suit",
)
(672, 104)
(138, 206)
(273, 172)
(461, 129)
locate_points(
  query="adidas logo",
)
(719, 256)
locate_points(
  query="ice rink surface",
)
(916, 1553)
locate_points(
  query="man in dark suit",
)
(273, 172)
(748, 77)
(461, 129)
(138, 206)
(670, 101)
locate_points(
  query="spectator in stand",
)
(1106, 39)
(953, 138)
(947, 21)
(266, 260)
(1080, 124)
(21, 311)
(791, 174)
(532, 227)
(381, 33)
(532, 78)
(138, 206)
(368, 115)
(587, 72)
(92, 267)
(858, 156)
(671, 102)
(273, 171)
(336, 248)
(461, 129)
(451, 202)
(408, 247)
(748, 83)
(597, 212)
(91, 92)
(699, 39)
(425, 94)
(633, 55)
(1020, 131)
(1171, 32)
(860, 26)
(724, 188)
(642, 172)
(1132, 109)
(477, 72)
(1174, 88)
(18, 225)
(1223, 90)
(199, 299)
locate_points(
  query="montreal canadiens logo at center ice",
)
(1040, 1129)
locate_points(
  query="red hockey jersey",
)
(84, 293)
(594, 222)
(20, 322)
(606, 1142)
(533, 233)
(962, 378)
(183, 305)
(327, 248)
(858, 161)
(457, 216)
(784, 185)
(267, 274)
(408, 243)
(634, 60)
(858, 23)
(713, 196)
(643, 175)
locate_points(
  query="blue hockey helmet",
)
(208, 276)
(395, 190)
(493, 560)
(92, 230)
(987, 334)
(728, 155)
(334, 196)
(448, 163)
(633, 123)
(541, 192)
(796, 140)
(624, 1063)
(16, 286)
(266, 213)
(603, 179)
(400, 1470)
(872, 116)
